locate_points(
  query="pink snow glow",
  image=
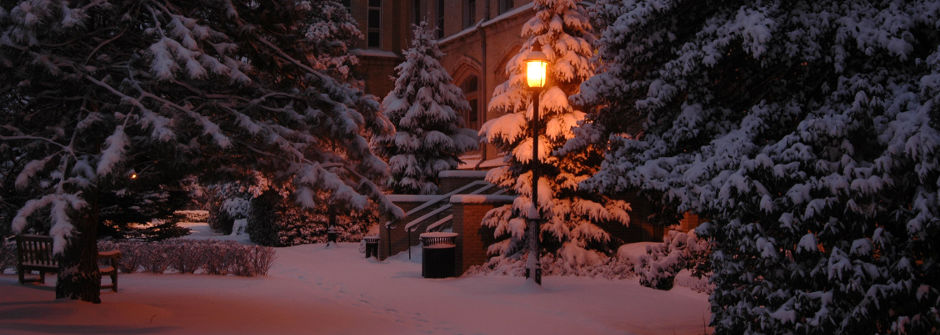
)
(313, 289)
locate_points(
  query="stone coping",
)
(462, 174)
(481, 198)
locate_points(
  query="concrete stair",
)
(425, 213)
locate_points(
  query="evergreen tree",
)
(425, 107)
(225, 89)
(571, 227)
(150, 191)
(806, 132)
(274, 220)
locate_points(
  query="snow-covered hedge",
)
(192, 256)
(662, 262)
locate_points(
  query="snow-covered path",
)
(316, 290)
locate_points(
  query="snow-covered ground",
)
(201, 231)
(314, 289)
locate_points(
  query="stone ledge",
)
(481, 198)
(412, 197)
(463, 174)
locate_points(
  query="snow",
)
(114, 152)
(238, 227)
(633, 251)
(500, 160)
(438, 234)
(201, 231)
(29, 170)
(807, 243)
(481, 198)
(333, 290)
(412, 197)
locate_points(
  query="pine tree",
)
(425, 107)
(225, 89)
(806, 132)
(571, 228)
(274, 220)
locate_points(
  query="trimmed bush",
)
(218, 260)
(192, 256)
(252, 261)
(185, 257)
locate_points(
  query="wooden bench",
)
(34, 253)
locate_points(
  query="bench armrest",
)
(112, 255)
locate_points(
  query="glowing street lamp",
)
(536, 65)
(536, 70)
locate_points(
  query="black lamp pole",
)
(534, 221)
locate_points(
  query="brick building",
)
(478, 38)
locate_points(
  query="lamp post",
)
(536, 75)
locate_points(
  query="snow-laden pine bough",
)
(806, 131)
(91, 89)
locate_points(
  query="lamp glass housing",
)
(536, 66)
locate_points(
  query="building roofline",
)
(374, 53)
(483, 24)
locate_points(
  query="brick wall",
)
(395, 239)
(399, 239)
(452, 183)
(471, 245)
(689, 221)
(453, 179)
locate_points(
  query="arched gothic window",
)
(471, 90)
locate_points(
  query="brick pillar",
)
(468, 212)
(689, 221)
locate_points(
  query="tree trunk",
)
(78, 265)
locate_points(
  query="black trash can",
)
(331, 235)
(438, 254)
(372, 246)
